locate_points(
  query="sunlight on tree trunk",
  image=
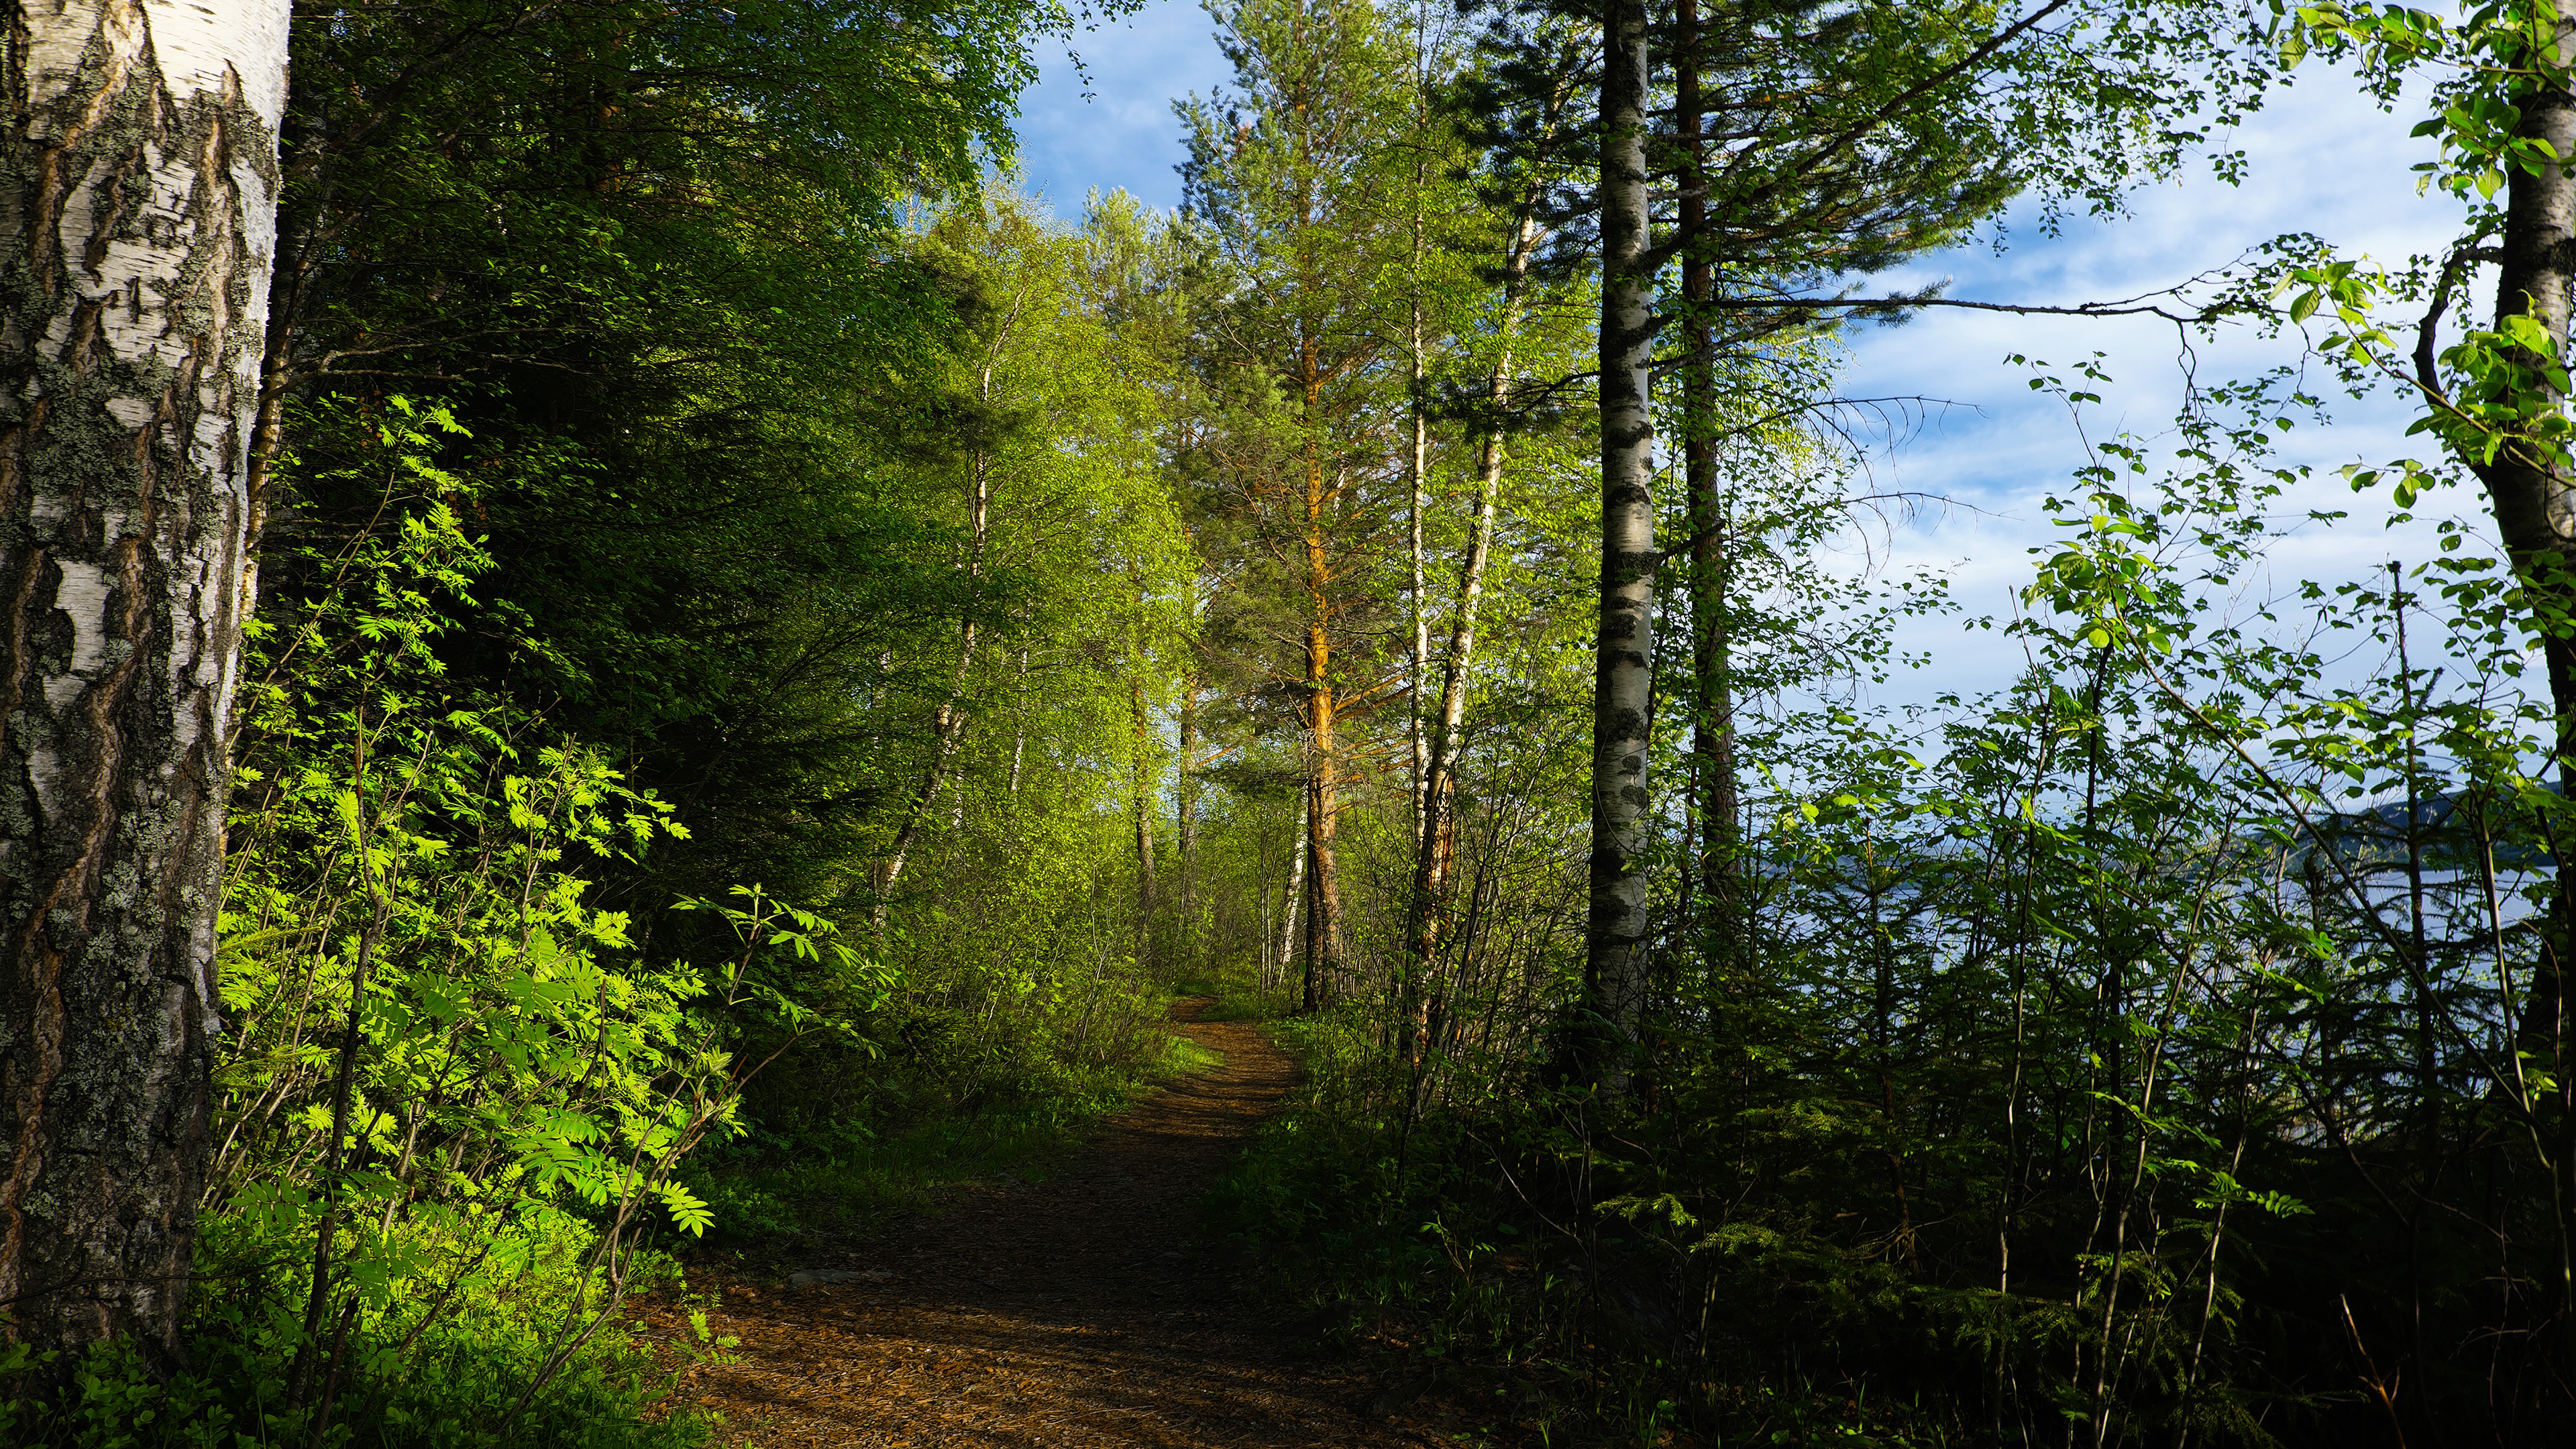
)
(1615, 955)
(1323, 885)
(2535, 511)
(141, 196)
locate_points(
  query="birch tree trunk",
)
(1296, 891)
(140, 213)
(1435, 846)
(1623, 679)
(1185, 822)
(1020, 733)
(1418, 406)
(947, 732)
(1142, 725)
(1420, 645)
(2535, 512)
(948, 721)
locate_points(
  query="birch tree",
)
(1492, 348)
(1033, 452)
(1615, 944)
(2497, 399)
(141, 202)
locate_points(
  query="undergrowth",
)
(1455, 1250)
(1231, 1000)
(455, 1380)
(464, 1114)
(813, 1178)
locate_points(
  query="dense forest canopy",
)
(768, 656)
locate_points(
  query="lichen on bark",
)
(136, 201)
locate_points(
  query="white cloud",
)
(1124, 133)
(2321, 159)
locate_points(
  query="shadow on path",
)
(1067, 1312)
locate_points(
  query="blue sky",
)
(1124, 134)
(2322, 160)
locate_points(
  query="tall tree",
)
(1714, 805)
(1491, 350)
(1435, 845)
(1820, 143)
(141, 196)
(1615, 940)
(1880, 150)
(1300, 195)
(2506, 120)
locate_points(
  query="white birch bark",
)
(1020, 736)
(948, 722)
(1418, 501)
(1296, 891)
(1623, 678)
(138, 213)
(1435, 845)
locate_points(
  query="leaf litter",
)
(1072, 1312)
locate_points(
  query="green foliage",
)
(758, 534)
(451, 1384)
(414, 843)
(455, 1092)
(2103, 1058)
(660, 262)
(2116, 1059)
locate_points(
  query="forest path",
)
(1069, 1312)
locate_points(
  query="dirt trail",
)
(1069, 1312)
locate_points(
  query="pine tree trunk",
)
(141, 202)
(1713, 713)
(1623, 679)
(1323, 887)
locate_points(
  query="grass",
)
(780, 1200)
(1195, 1058)
(1234, 1001)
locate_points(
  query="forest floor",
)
(1081, 1310)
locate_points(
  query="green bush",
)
(449, 1380)
(455, 1091)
